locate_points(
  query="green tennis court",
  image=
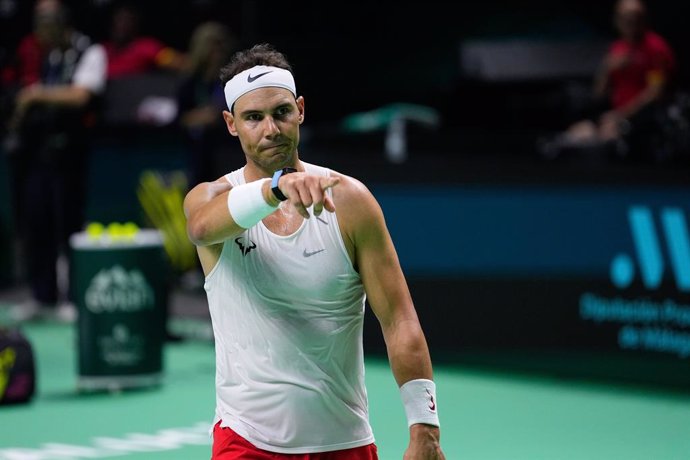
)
(484, 415)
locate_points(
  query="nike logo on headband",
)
(251, 79)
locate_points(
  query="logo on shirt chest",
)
(311, 253)
(245, 244)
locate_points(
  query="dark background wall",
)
(373, 52)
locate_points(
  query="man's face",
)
(49, 29)
(124, 26)
(267, 120)
(630, 19)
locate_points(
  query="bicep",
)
(386, 287)
(205, 208)
(379, 267)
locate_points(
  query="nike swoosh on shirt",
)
(251, 79)
(309, 254)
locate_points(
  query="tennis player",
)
(290, 252)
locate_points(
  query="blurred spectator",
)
(25, 69)
(130, 52)
(63, 76)
(631, 89)
(201, 99)
(22, 66)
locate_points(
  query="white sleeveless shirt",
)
(287, 314)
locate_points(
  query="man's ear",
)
(230, 122)
(300, 107)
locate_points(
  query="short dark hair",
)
(261, 54)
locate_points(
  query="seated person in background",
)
(201, 99)
(633, 83)
(130, 53)
(52, 121)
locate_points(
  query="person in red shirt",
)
(130, 53)
(25, 66)
(48, 149)
(634, 81)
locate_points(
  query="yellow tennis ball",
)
(114, 230)
(130, 230)
(94, 230)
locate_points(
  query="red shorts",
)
(228, 445)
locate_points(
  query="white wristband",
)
(419, 398)
(247, 205)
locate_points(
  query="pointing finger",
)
(329, 182)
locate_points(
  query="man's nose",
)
(270, 127)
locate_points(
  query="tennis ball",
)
(130, 230)
(115, 231)
(94, 230)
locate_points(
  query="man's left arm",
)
(391, 302)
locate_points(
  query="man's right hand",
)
(303, 190)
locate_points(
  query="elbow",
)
(197, 232)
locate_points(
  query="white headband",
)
(260, 76)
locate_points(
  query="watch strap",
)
(274, 182)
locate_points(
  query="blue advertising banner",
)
(539, 230)
(603, 270)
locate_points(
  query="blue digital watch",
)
(274, 182)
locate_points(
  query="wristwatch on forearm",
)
(274, 182)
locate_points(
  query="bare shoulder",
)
(350, 188)
(353, 199)
(205, 192)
